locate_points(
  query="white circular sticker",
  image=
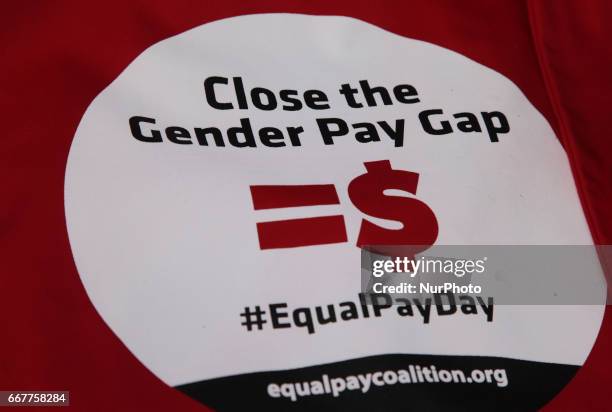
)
(216, 200)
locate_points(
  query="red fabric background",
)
(57, 56)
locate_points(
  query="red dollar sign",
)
(420, 226)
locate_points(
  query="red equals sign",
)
(310, 231)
